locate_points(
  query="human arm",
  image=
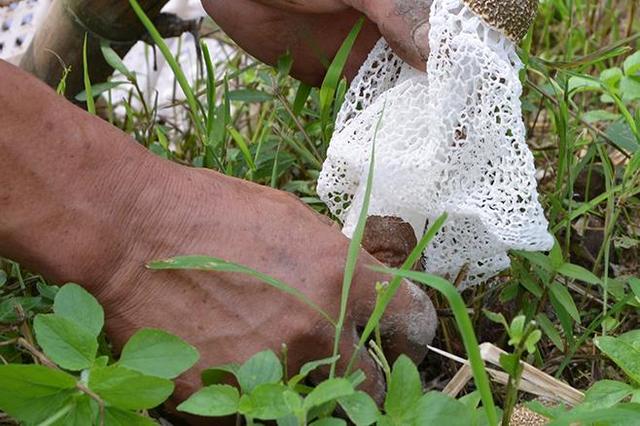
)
(81, 201)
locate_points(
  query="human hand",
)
(229, 317)
(313, 30)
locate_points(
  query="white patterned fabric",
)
(448, 140)
(18, 22)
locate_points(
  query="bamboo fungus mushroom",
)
(448, 140)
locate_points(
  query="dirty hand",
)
(88, 204)
(313, 30)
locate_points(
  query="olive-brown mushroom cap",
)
(512, 17)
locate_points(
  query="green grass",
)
(581, 105)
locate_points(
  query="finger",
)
(404, 24)
(410, 321)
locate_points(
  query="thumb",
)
(404, 24)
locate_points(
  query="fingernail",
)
(421, 40)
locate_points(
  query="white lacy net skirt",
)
(451, 140)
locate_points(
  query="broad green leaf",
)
(510, 364)
(217, 375)
(606, 393)
(329, 390)
(599, 115)
(33, 392)
(67, 344)
(532, 341)
(623, 352)
(268, 402)
(78, 306)
(127, 389)
(634, 283)
(622, 135)
(263, 367)
(116, 417)
(632, 64)
(212, 401)
(436, 408)
(578, 273)
(360, 407)
(583, 84)
(516, 330)
(307, 368)
(158, 353)
(3, 277)
(619, 415)
(555, 255)
(630, 88)
(561, 295)
(404, 388)
(498, 318)
(329, 421)
(611, 76)
(83, 411)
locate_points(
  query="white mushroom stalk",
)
(449, 140)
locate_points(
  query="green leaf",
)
(249, 96)
(78, 306)
(98, 89)
(561, 295)
(70, 346)
(436, 408)
(212, 401)
(599, 115)
(334, 73)
(263, 367)
(404, 388)
(538, 259)
(578, 273)
(8, 311)
(158, 353)
(634, 283)
(606, 393)
(82, 411)
(532, 340)
(113, 59)
(630, 88)
(583, 84)
(31, 393)
(329, 421)
(516, 330)
(498, 318)
(360, 407)
(632, 64)
(128, 389)
(91, 107)
(217, 375)
(624, 351)
(622, 135)
(550, 330)
(116, 417)
(510, 364)
(329, 390)
(309, 367)
(268, 402)
(611, 76)
(3, 277)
